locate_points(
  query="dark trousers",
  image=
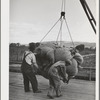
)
(30, 77)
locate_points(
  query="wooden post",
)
(90, 75)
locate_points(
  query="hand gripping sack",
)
(78, 58)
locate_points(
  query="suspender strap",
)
(25, 66)
(26, 55)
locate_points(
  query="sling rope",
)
(50, 30)
(62, 17)
(69, 33)
(60, 32)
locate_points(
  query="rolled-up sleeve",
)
(33, 59)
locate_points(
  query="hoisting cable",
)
(49, 30)
(63, 5)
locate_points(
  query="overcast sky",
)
(30, 20)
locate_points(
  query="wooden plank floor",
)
(75, 90)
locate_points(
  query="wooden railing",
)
(90, 71)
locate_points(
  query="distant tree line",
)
(16, 51)
(15, 44)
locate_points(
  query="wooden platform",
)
(75, 90)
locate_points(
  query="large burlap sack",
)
(51, 55)
(44, 51)
(48, 56)
(62, 54)
(72, 69)
(45, 55)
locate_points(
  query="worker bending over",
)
(56, 72)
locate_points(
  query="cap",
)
(31, 46)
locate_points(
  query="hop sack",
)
(62, 54)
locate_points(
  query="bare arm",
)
(34, 63)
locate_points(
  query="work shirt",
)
(30, 58)
(78, 58)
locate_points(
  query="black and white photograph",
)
(52, 48)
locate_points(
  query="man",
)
(29, 67)
(57, 72)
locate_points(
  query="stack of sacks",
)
(48, 56)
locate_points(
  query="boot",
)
(58, 92)
(50, 92)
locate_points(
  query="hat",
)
(37, 44)
(31, 46)
(80, 47)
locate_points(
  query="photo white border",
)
(5, 50)
(97, 51)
